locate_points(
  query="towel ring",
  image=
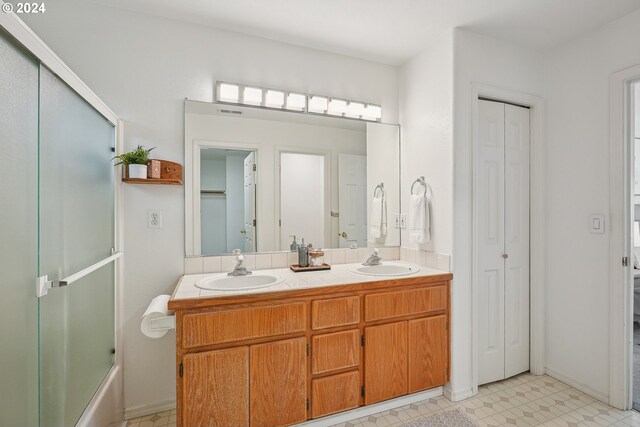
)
(424, 184)
(379, 187)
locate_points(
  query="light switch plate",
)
(596, 224)
(403, 220)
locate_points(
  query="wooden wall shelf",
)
(152, 181)
(170, 174)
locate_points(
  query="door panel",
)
(77, 221)
(352, 196)
(250, 203)
(502, 239)
(516, 292)
(216, 388)
(490, 241)
(428, 353)
(278, 383)
(335, 351)
(334, 394)
(385, 362)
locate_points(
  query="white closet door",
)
(490, 242)
(250, 203)
(516, 295)
(502, 241)
(352, 200)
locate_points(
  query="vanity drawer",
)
(334, 394)
(335, 351)
(330, 313)
(243, 324)
(405, 303)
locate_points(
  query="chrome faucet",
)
(374, 259)
(240, 269)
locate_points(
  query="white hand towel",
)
(378, 223)
(418, 221)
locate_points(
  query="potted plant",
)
(135, 161)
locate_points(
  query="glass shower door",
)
(77, 231)
(18, 234)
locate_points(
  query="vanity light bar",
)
(234, 93)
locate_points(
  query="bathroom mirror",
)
(254, 178)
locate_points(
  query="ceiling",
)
(390, 31)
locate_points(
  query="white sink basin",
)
(386, 270)
(238, 283)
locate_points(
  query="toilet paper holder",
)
(164, 323)
(157, 319)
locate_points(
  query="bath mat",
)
(455, 418)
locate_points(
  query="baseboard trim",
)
(458, 395)
(364, 411)
(577, 385)
(149, 409)
(105, 406)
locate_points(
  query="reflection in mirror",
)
(254, 178)
(302, 173)
(227, 200)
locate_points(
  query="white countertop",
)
(340, 274)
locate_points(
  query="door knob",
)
(343, 234)
(243, 231)
(505, 256)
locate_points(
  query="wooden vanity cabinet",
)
(278, 359)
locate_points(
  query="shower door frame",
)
(32, 43)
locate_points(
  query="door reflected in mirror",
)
(254, 178)
(302, 190)
(227, 200)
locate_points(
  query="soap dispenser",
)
(303, 255)
(294, 245)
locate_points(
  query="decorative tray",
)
(296, 268)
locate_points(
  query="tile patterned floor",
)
(525, 400)
(162, 419)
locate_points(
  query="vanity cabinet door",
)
(278, 383)
(216, 388)
(385, 362)
(428, 353)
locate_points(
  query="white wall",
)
(268, 137)
(143, 67)
(383, 160)
(489, 61)
(426, 116)
(577, 94)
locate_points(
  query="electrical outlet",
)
(396, 219)
(154, 219)
(403, 220)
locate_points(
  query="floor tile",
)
(525, 400)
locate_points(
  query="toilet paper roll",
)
(157, 308)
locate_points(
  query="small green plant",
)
(139, 156)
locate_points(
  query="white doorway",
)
(501, 240)
(302, 199)
(352, 200)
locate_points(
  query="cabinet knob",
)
(505, 256)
